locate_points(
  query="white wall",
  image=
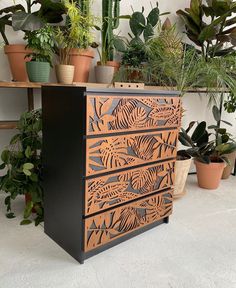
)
(13, 102)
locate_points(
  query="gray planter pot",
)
(104, 74)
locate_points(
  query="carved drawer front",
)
(108, 191)
(112, 114)
(116, 152)
(108, 226)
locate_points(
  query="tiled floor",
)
(196, 250)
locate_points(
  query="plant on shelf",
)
(81, 55)
(42, 45)
(210, 26)
(209, 154)
(74, 34)
(21, 17)
(22, 163)
(107, 66)
(135, 57)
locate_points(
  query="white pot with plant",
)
(66, 38)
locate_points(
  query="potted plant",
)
(182, 167)
(82, 54)
(66, 38)
(106, 67)
(42, 45)
(22, 164)
(135, 55)
(22, 18)
(209, 155)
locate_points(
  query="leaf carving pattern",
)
(105, 227)
(112, 153)
(108, 191)
(112, 114)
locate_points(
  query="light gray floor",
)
(196, 250)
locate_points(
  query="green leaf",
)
(28, 152)
(10, 215)
(226, 122)
(27, 172)
(25, 222)
(153, 17)
(119, 44)
(7, 200)
(15, 139)
(28, 209)
(28, 166)
(137, 23)
(216, 113)
(2, 166)
(34, 177)
(5, 156)
(199, 131)
(148, 32)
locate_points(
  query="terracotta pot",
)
(82, 60)
(182, 168)
(28, 198)
(114, 64)
(229, 168)
(16, 58)
(209, 175)
(104, 74)
(65, 73)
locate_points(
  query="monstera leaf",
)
(50, 11)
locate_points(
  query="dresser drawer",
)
(108, 226)
(108, 154)
(112, 114)
(109, 191)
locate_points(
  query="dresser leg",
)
(166, 220)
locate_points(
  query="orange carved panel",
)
(117, 152)
(112, 114)
(108, 191)
(108, 226)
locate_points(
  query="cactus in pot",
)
(106, 67)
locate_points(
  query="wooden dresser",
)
(109, 159)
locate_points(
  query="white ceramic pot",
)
(182, 168)
(65, 73)
(104, 74)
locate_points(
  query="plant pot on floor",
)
(17, 58)
(38, 71)
(65, 74)
(104, 74)
(182, 167)
(229, 168)
(81, 60)
(209, 175)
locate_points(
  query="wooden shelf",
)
(31, 85)
(8, 124)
